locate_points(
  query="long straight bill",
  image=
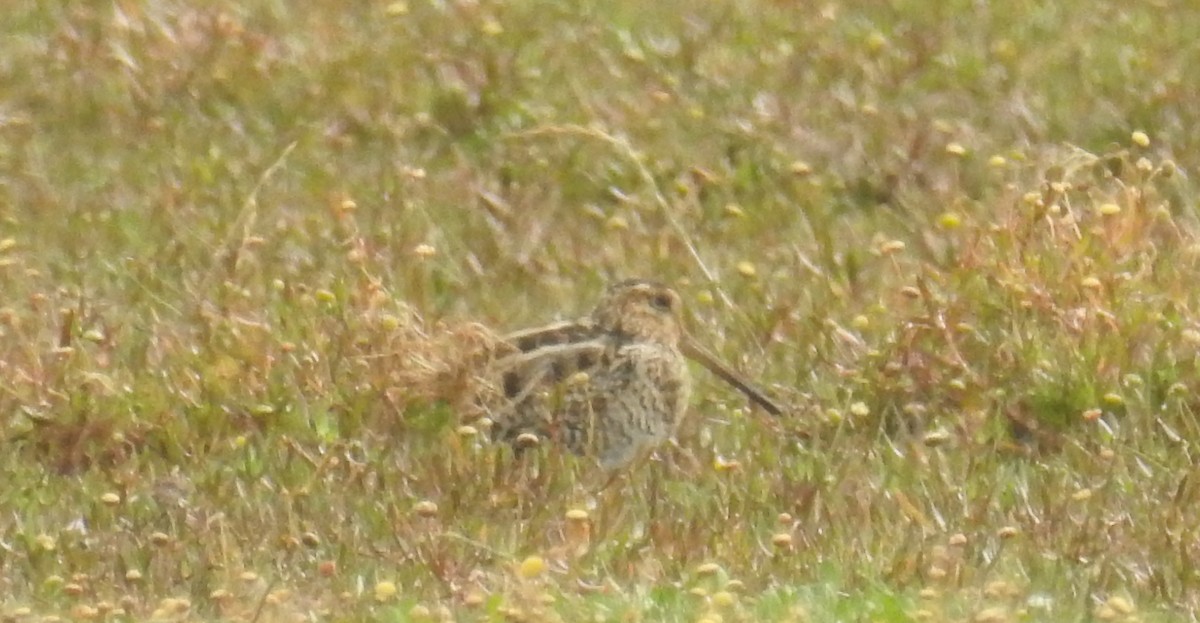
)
(696, 353)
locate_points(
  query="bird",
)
(613, 385)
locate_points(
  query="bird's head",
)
(641, 309)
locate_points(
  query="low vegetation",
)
(250, 252)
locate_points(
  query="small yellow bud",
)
(46, 542)
(949, 220)
(492, 27)
(388, 322)
(936, 438)
(722, 464)
(1121, 605)
(531, 567)
(723, 599)
(799, 168)
(385, 591)
(876, 41)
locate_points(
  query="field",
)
(247, 252)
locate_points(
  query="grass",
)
(247, 248)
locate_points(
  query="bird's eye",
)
(661, 302)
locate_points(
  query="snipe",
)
(613, 385)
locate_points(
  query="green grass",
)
(243, 246)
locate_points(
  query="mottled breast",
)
(630, 405)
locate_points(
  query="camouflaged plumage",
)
(613, 385)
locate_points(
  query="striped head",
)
(641, 310)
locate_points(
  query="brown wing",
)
(557, 334)
(532, 385)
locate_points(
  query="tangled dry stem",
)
(447, 363)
